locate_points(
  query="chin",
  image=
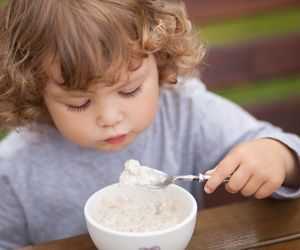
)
(110, 148)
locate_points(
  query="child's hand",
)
(258, 168)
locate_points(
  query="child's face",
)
(106, 118)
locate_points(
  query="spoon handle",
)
(205, 177)
(199, 177)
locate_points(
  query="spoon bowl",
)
(135, 174)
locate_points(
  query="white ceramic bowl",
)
(173, 238)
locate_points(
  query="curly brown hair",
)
(92, 40)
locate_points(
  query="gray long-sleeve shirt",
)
(45, 180)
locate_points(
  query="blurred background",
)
(253, 55)
(248, 24)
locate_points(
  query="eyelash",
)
(84, 106)
(80, 108)
(132, 93)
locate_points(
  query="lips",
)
(115, 139)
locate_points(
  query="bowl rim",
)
(189, 218)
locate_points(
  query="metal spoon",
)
(135, 174)
(162, 180)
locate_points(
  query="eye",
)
(80, 108)
(132, 93)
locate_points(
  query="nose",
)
(109, 116)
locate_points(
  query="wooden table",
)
(265, 224)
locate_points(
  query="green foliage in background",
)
(264, 91)
(2, 135)
(255, 27)
(241, 29)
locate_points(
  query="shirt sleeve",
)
(13, 227)
(224, 124)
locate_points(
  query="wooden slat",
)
(246, 225)
(221, 197)
(1, 11)
(216, 10)
(251, 61)
(285, 245)
(283, 113)
(82, 242)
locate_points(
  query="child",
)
(87, 85)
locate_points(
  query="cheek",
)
(71, 125)
(77, 131)
(145, 110)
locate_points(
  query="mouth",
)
(115, 139)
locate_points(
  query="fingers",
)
(252, 170)
(261, 184)
(243, 180)
(268, 188)
(225, 168)
(238, 180)
(252, 186)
